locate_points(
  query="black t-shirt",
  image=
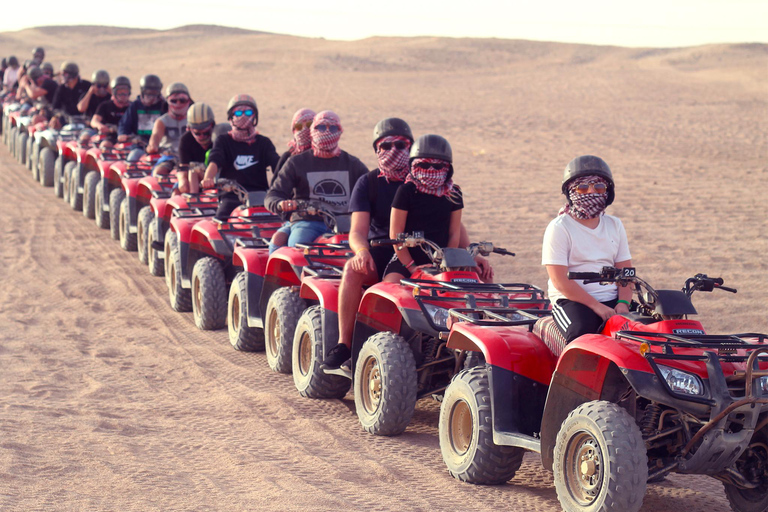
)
(381, 208)
(65, 99)
(110, 113)
(50, 89)
(427, 213)
(94, 103)
(245, 163)
(190, 151)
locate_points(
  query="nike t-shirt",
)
(245, 163)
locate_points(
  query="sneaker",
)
(337, 356)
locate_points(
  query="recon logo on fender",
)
(243, 161)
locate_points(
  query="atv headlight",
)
(682, 382)
(438, 315)
(763, 383)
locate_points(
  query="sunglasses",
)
(241, 113)
(122, 94)
(179, 101)
(599, 188)
(100, 86)
(201, 133)
(322, 128)
(399, 144)
(426, 166)
(300, 126)
(150, 94)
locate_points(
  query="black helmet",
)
(121, 81)
(47, 67)
(34, 72)
(588, 165)
(243, 100)
(433, 146)
(200, 116)
(100, 77)
(391, 126)
(38, 50)
(151, 82)
(4, 63)
(13, 61)
(70, 68)
(176, 88)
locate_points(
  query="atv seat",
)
(550, 334)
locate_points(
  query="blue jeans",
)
(301, 232)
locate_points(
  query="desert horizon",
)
(104, 385)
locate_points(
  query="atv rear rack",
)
(326, 251)
(324, 271)
(194, 212)
(498, 317)
(424, 289)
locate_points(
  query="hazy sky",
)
(657, 23)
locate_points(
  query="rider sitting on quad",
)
(109, 113)
(582, 238)
(69, 93)
(326, 174)
(141, 115)
(371, 207)
(301, 141)
(169, 127)
(47, 68)
(37, 85)
(38, 55)
(97, 94)
(11, 75)
(242, 154)
(194, 145)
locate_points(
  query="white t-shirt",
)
(10, 77)
(581, 249)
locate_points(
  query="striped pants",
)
(574, 318)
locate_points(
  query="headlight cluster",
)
(682, 382)
(438, 315)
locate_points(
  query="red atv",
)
(649, 395)
(264, 303)
(399, 354)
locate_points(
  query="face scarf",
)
(326, 144)
(302, 140)
(243, 129)
(178, 110)
(393, 164)
(585, 206)
(430, 181)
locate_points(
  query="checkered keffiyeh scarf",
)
(326, 144)
(301, 140)
(585, 206)
(243, 129)
(393, 164)
(430, 181)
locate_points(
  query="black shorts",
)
(419, 258)
(381, 255)
(574, 318)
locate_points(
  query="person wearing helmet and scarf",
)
(326, 174)
(139, 119)
(194, 146)
(97, 94)
(242, 154)
(169, 127)
(583, 238)
(301, 140)
(109, 113)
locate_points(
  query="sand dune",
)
(111, 401)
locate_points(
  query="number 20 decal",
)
(628, 272)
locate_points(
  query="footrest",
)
(343, 372)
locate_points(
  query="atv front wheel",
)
(179, 297)
(75, 197)
(753, 461)
(30, 143)
(209, 294)
(154, 261)
(101, 217)
(241, 336)
(310, 379)
(466, 433)
(21, 148)
(142, 229)
(67, 177)
(89, 194)
(283, 311)
(127, 239)
(600, 460)
(385, 384)
(58, 174)
(46, 166)
(115, 201)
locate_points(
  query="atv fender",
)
(254, 264)
(324, 291)
(283, 269)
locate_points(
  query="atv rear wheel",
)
(46, 167)
(241, 336)
(466, 433)
(283, 311)
(101, 217)
(75, 197)
(142, 229)
(754, 460)
(155, 263)
(58, 174)
(115, 201)
(600, 459)
(89, 194)
(310, 379)
(209, 294)
(179, 297)
(127, 239)
(385, 384)
(21, 148)
(66, 177)
(30, 143)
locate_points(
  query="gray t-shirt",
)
(174, 129)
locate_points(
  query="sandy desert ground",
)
(111, 401)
